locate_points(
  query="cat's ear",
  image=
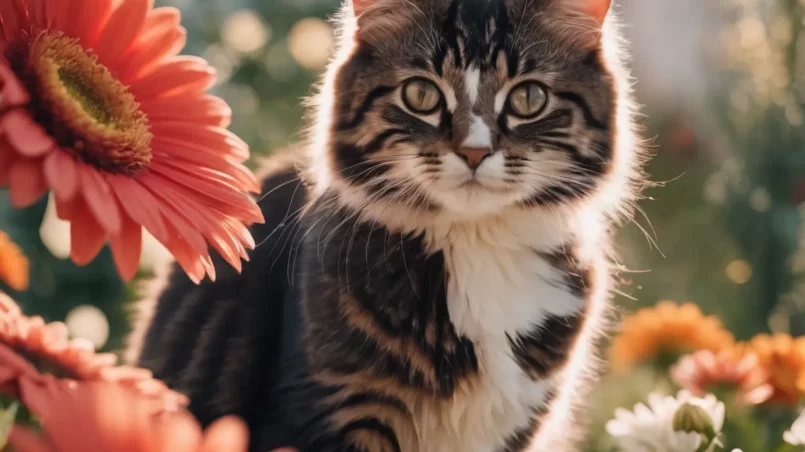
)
(358, 6)
(586, 9)
(596, 9)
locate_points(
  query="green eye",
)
(527, 99)
(421, 96)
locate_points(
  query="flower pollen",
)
(85, 108)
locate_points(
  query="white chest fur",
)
(499, 285)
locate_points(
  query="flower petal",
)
(178, 77)
(121, 30)
(86, 235)
(27, 137)
(99, 199)
(215, 138)
(152, 51)
(126, 248)
(27, 183)
(9, 20)
(87, 20)
(11, 89)
(206, 109)
(140, 205)
(61, 172)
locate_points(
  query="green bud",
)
(692, 418)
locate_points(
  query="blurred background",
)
(723, 89)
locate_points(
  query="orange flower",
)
(96, 106)
(102, 416)
(701, 371)
(13, 264)
(783, 358)
(666, 327)
(46, 347)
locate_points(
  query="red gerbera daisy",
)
(96, 106)
(45, 347)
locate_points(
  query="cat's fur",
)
(399, 301)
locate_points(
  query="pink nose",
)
(473, 156)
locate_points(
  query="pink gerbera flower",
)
(96, 106)
(102, 416)
(44, 348)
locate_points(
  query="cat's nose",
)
(474, 156)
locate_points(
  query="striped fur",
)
(406, 302)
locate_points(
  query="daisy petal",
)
(62, 174)
(27, 183)
(126, 248)
(99, 199)
(25, 135)
(86, 235)
(121, 30)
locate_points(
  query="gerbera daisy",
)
(13, 264)
(45, 346)
(666, 328)
(650, 428)
(96, 106)
(783, 358)
(102, 416)
(703, 370)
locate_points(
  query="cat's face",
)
(466, 107)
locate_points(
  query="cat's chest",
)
(497, 291)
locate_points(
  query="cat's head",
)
(463, 108)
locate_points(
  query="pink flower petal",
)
(87, 20)
(126, 248)
(152, 51)
(206, 109)
(178, 77)
(140, 205)
(27, 183)
(61, 172)
(11, 89)
(99, 199)
(87, 237)
(121, 30)
(25, 135)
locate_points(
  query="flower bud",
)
(692, 418)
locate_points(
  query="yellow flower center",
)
(82, 105)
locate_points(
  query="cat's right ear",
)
(358, 6)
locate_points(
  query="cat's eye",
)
(421, 96)
(527, 99)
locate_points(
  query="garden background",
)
(723, 86)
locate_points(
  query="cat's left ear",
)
(595, 9)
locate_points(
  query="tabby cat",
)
(436, 274)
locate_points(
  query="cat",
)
(434, 273)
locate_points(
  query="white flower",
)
(650, 428)
(796, 434)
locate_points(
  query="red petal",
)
(55, 11)
(126, 248)
(121, 30)
(87, 20)
(187, 258)
(11, 89)
(178, 77)
(7, 157)
(99, 199)
(38, 14)
(28, 137)
(27, 183)
(140, 205)
(206, 109)
(219, 139)
(226, 199)
(9, 20)
(61, 173)
(86, 235)
(64, 209)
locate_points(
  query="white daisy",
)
(650, 428)
(796, 434)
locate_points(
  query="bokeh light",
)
(90, 323)
(310, 42)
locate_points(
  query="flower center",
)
(82, 105)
